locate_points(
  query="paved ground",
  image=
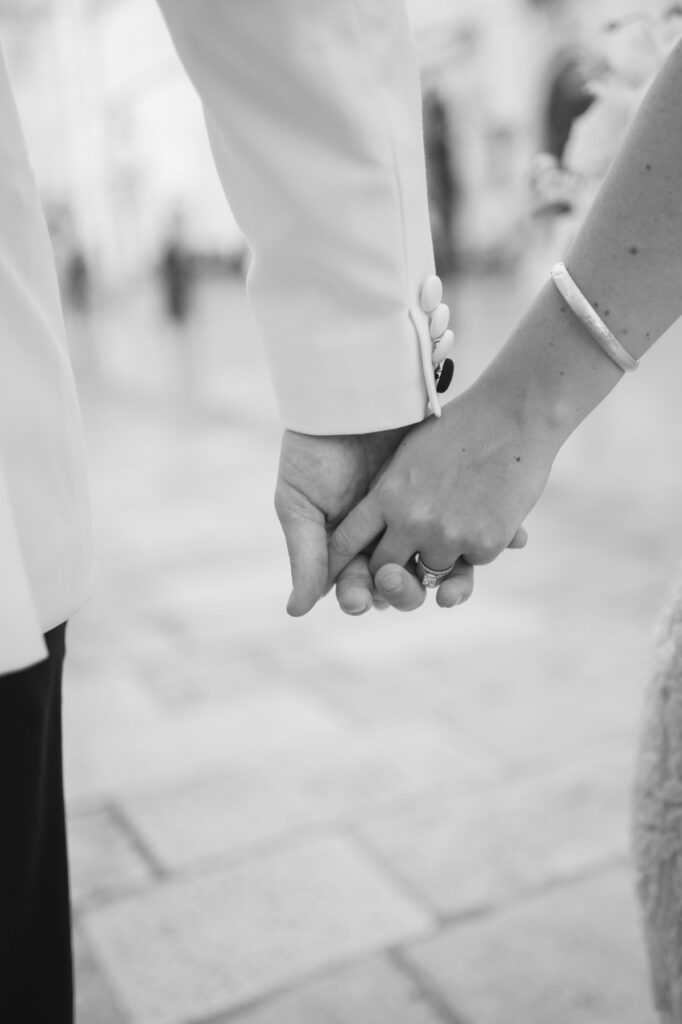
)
(391, 820)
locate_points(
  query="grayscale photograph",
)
(340, 543)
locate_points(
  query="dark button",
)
(445, 376)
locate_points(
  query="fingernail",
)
(391, 583)
(356, 602)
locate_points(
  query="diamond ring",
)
(428, 577)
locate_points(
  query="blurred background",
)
(395, 819)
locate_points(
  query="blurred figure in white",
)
(591, 105)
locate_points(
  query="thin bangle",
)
(592, 321)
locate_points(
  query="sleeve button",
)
(443, 348)
(432, 293)
(445, 378)
(439, 321)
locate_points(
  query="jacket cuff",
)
(355, 374)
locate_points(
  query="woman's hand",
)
(457, 491)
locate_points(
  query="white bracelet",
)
(595, 325)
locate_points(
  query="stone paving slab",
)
(118, 740)
(343, 780)
(373, 992)
(225, 817)
(94, 1000)
(394, 764)
(526, 699)
(481, 849)
(104, 861)
(570, 956)
(200, 946)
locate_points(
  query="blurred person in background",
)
(178, 279)
(75, 279)
(176, 274)
(569, 97)
(78, 281)
(77, 297)
(441, 179)
(580, 147)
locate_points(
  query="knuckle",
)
(483, 554)
(412, 525)
(445, 538)
(485, 546)
(389, 491)
(419, 520)
(341, 542)
(390, 583)
(352, 576)
(290, 504)
(449, 536)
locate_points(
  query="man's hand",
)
(320, 480)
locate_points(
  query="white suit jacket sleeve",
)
(314, 114)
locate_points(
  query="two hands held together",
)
(356, 508)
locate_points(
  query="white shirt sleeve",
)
(313, 109)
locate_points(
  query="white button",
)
(432, 293)
(443, 348)
(439, 321)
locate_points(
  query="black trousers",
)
(36, 984)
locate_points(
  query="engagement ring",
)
(430, 578)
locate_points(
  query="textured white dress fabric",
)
(657, 815)
(314, 114)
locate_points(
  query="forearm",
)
(626, 260)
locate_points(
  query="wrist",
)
(551, 373)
